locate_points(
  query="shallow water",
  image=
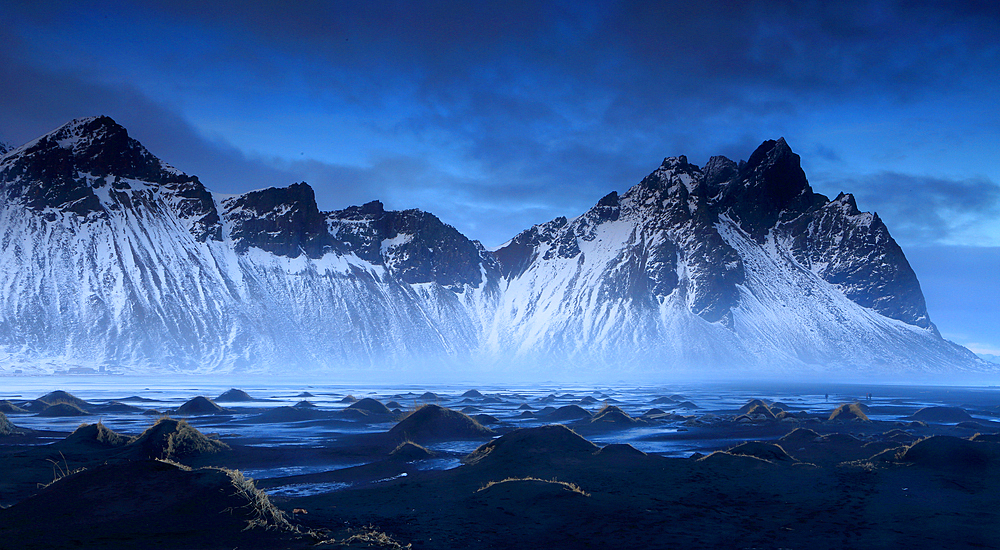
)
(671, 437)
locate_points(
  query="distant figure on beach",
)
(827, 397)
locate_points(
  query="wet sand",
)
(918, 467)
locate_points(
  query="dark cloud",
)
(36, 101)
(653, 67)
(543, 107)
(925, 210)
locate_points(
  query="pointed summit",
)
(771, 184)
(60, 171)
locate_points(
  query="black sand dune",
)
(486, 419)
(952, 453)
(757, 410)
(435, 423)
(941, 414)
(8, 407)
(117, 407)
(60, 396)
(527, 446)
(800, 483)
(7, 427)
(173, 439)
(619, 451)
(370, 406)
(849, 411)
(608, 419)
(753, 404)
(63, 409)
(409, 451)
(94, 436)
(568, 412)
(199, 405)
(234, 395)
(770, 452)
(148, 504)
(800, 436)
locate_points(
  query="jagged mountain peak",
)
(98, 146)
(413, 245)
(847, 202)
(282, 220)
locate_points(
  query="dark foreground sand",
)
(823, 484)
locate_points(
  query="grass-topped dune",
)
(199, 405)
(96, 436)
(848, 412)
(770, 452)
(59, 396)
(174, 439)
(568, 412)
(528, 446)
(234, 395)
(167, 438)
(609, 418)
(370, 406)
(149, 504)
(7, 427)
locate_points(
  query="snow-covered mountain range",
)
(111, 258)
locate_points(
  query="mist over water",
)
(509, 403)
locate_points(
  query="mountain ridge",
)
(115, 258)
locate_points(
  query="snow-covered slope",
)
(111, 258)
(108, 257)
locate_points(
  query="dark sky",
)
(498, 115)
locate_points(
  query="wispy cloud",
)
(925, 210)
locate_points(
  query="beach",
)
(694, 466)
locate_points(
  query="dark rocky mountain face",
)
(415, 246)
(768, 187)
(283, 221)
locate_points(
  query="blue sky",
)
(496, 116)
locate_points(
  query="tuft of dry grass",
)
(263, 513)
(573, 487)
(370, 537)
(59, 471)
